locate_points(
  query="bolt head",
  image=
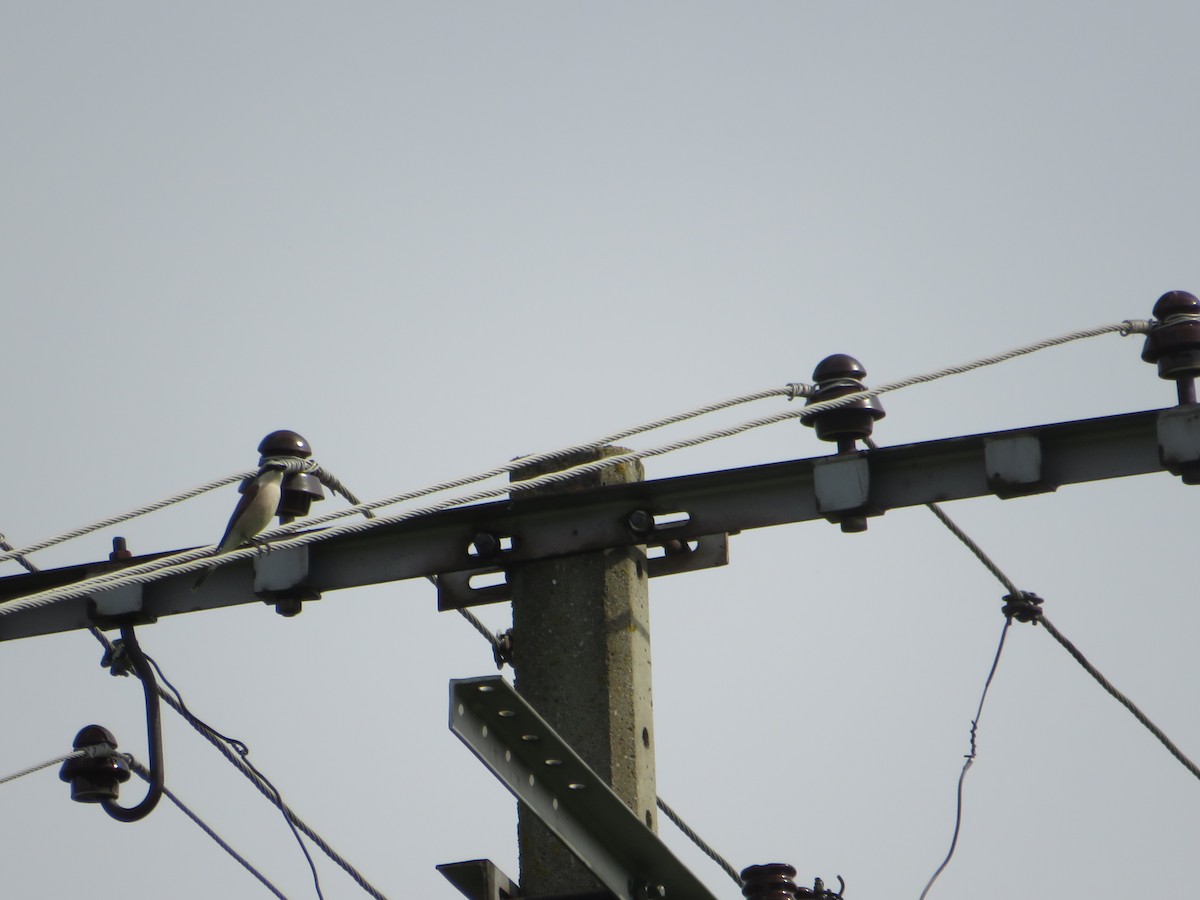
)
(640, 522)
(649, 891)
(485, 543)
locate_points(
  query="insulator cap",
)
(94, 778)
(840, 365)
(1175, 345)
(1175, 303)
(836, 376)
(773, 881)
(91, 735)
(285, 443)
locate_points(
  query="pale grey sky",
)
(431, 237)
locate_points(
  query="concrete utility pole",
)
(581, 654)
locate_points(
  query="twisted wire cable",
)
(223, 745)
(255, 778)
(987, 561)
(294, 465)
(10, 553)
(700, 842)
(144, 774)
(327, 478)
(195, 560)
(1037, 616)
(483, 630)
(244, 752)
(43, 765)
(1108, 686)
(791, 391)
(1120, 698)
(976, 550)
(335, 484)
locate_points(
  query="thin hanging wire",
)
(1022, 603)
(144, 774)
(970, 760)
(256, 778)
(243, 751)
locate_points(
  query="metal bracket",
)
(544, 773)
(117, 606)
(841, 483)
(455, 590)
(1179, 441)
(281, 576)
(480, 879)
(1014, 466)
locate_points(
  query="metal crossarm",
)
(683, 512)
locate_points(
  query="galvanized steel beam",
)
(544, 773)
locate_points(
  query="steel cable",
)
(1119, 697)
(256, 778)
(366, 509)
(201, 558)
(700, 842)
(144, 774)
(44, 765)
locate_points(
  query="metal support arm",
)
(674, 511)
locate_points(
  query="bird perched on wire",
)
(260, 500)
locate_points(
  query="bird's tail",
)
(203, 575)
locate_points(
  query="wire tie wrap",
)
(116, 659)
(1137, 326)
(797, 389)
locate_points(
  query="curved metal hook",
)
(153, 734)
